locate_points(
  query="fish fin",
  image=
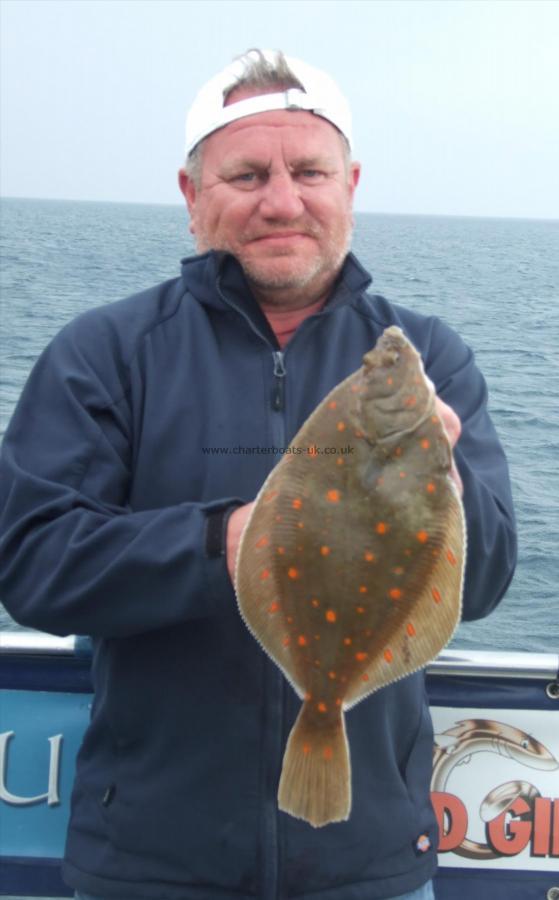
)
(315, 783)
(420, 628)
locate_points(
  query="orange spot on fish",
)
(321, 707)
(331, 615)
(263, 542)
(410, 630)
(381, 528)
(332, 404)
(332, 675)
(273, 608)
(368, 556)
(395, 593)
(422, 537)
(436, 595)
(390, 380)
(308, 696)
(360, 657)
(270, 496)
(362, 589)
(333, 496)
(403, 475)
(388, 655)
(325, 551)
(341, 426)
(315, 602)
(293, 573)
(328, 753)
(339, 461)
(338, 701)
(286, 641)
(297, 503)
(347, 641)
(281, 550)
(398, 570)
(410, 401)
(300, 524)
(364, 677)
(398, 451)
(435, 420)
(264, 574)
(312, 451)
(451, 557)
(290, 620)
(425, 443)
(358, 434)
(360, 609)
(302, 641)
(306, 749)
(431, 488)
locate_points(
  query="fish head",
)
(395, 393)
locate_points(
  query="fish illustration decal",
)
(456, 746)
(350, 567)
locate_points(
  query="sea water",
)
(496, 281)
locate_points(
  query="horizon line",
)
(433, 215)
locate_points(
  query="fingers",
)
(453, 428)
(450, 420)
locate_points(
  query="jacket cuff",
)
(215, 541)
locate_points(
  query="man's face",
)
(276, 192)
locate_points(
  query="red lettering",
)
(450, 812)
(555, 843)
(541, 836)
(506, 835)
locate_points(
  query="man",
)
(121, 523)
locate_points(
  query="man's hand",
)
(453, 428)
(235, 525)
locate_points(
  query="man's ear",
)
(354, 174)
(188, 191)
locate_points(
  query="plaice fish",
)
(350, 567)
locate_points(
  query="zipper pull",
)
(279, 375)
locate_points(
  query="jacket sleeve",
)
(487, 500)
(75, 559)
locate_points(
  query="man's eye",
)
(244, 177)
(311, 174)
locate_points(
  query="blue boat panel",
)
(40, 734)
(32, 878)
(461, 884)
(69, 674)
(497, 693)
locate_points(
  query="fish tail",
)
(315, 782)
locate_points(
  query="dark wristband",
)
(216, 531)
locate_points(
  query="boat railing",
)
(451, 662)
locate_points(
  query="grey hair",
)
(261, 75)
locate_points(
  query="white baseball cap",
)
(321, 96)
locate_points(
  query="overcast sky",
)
(455, 102)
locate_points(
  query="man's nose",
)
(281, 198)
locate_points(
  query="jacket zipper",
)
(274, 713)
(278, 394)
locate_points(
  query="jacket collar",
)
(216, 279)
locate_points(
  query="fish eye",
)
(525, 744)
